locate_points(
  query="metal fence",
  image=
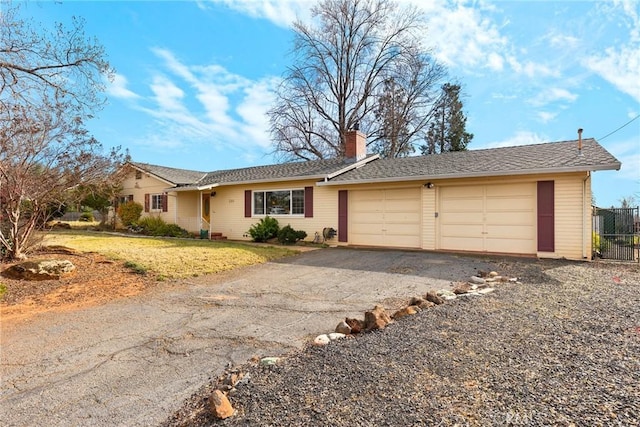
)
(616, 233)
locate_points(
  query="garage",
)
(488, 218)
(385, 217)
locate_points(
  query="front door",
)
(206, 207)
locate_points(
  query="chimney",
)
(580, 142)
(355, 144)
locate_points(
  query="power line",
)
(611, 133)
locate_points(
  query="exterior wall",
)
(429, 218)
(148, 184)
(227, 210)
(187, 212)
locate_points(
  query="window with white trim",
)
(156, 202)
(278, 202)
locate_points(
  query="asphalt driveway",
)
(133, 361)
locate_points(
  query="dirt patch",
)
(97, 280)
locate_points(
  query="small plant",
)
(264, 230)
(129, 213)
(136, 268)
(288, 236)
(3, 290)
(87, 216)
(155, 226)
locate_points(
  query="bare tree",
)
(447, 130)
(341, 63)
(50, 84)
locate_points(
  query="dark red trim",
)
(247, 203)
(165, 203)
(343, 215)
(308, 202)
(146, 202)
(546, 218)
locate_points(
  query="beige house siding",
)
(429, 218)
(148, 184)
(227, 210)
(187, 209)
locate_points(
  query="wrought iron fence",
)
(616, 233)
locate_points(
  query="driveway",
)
(133, 361)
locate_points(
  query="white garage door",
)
(389, 217)
(488, 218)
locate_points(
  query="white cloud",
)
(629, 155)
(546, 117)
(520, 138)
(552, 95)
(619, 66)
(531, 69)
(118, 88)
(281, 12)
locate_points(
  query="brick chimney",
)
(355, 144)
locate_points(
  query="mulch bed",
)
(561, 349)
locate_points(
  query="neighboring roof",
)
(174, 176)
(554, 157)
(313, 169)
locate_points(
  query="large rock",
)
(343, 328)
(433, 297)
(356, 325)
(376, 318)
(219, 405)
(52, 269)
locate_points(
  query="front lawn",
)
(168, 257)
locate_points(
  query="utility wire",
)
(611, 133)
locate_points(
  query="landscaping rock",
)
(446, 294)
(434, 298)
(462, 288)
(219, 405)
(336, 336)
(376, 318)
(477, 280)
(356, 325)
(343, 328)
(40, 270)
(266, 361)
(421, 302)
(406, 311)
(321, 340)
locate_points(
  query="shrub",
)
(595, 239)
(87, 217)
(129, 213)
(264, 230)
(288, 236)
(155, 226)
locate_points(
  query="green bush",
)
(288, 236)
(129, 213)
(266, 229)
(155, 226)
(87, 217)
(595, 239)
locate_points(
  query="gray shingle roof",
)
(279, 172)
(525, 159)
(173, 175)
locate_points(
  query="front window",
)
(281, 202)
(156, 202)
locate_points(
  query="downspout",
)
(584, 191)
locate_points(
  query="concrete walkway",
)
(133, 361)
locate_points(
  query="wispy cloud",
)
(519, 138)
(118, 88)
(627, 152)
(546, 116)
(553, 95)
(281, 12)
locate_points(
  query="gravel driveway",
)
(562, 349)
(132, 362)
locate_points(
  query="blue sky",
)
(194, 79)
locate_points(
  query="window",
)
(138, 174)
(156, 202)
(124, 199)
(281, 202)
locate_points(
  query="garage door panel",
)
(509, 218)
(386, 217)
(492, 218)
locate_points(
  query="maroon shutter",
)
(343, 200)
(247, 203)
(146, 202)
(308, 202)
(165, 203)
(546, 221)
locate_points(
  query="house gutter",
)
(612, 166)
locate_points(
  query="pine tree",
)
(447, 130)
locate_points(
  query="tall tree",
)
(354, 53)
(447, 130)
(50, 83)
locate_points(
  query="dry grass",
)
(168, 257)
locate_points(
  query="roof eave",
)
(152, 174)
(352, 166)
(612, 166)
